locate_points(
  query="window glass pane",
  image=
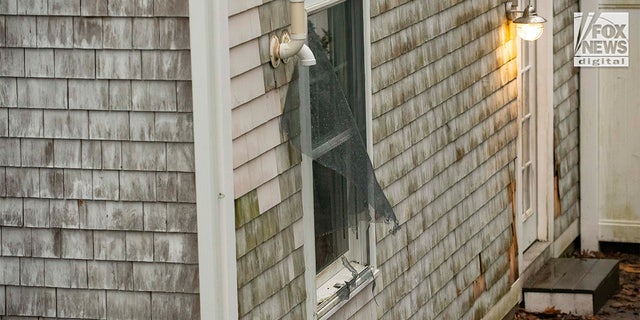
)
(340, 30)
(526, 140)
(526, 80)
(331, 225)
(526, 189)
(526, 51)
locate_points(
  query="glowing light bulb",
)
(529, 31)
(529, 26)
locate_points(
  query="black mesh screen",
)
(335, 139)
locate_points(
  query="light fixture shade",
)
(530, 32)
(530, 26)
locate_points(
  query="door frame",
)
(589, 184)
(544, 80)
(544, 141)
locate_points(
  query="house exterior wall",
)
(444, 131)
(444, 127)
(565, 117)
(97, 201)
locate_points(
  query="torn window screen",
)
(335, 143)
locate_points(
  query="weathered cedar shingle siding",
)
(444, 127)
(266, 169)
(97, 212)
(97, 215)
(565, 116)
(444, 130)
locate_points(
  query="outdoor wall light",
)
(529, 25)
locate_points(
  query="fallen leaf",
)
(552, 310)
(631, 268)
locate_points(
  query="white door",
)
(610, 141)
(527, 151)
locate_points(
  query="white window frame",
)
(313, 6)
(321, 285)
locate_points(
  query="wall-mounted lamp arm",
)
(512, 10)
(528, 24)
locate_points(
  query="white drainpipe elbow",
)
(306, 57)
(296, 45)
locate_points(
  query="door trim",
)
(544, 127)
(589, 184)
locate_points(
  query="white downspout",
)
(294, 43)
(211, 86)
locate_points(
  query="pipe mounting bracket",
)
(274, 48)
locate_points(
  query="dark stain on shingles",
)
(459, 153)
(48, 152)
(57, 242)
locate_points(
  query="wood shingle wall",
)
(97, 201)
(444, 127)
(267, 177)
(565, 116)
(97, 192)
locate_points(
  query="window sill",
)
(332, 297)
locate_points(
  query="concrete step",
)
(577, 286)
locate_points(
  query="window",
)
(336, 200)
(336, 167)
(325, 117)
